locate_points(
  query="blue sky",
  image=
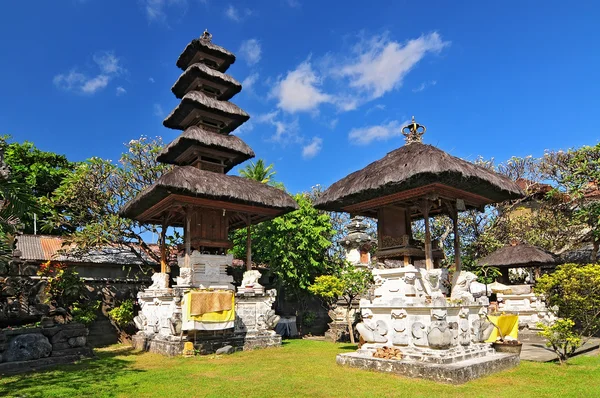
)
(327, 84)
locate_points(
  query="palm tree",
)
(258, 172)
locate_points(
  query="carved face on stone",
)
(399, 314)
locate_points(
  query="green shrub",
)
(86, 312)
(561, 338)
(122, 315)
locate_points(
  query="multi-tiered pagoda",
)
(198, 195)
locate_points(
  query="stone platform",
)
(205, 345)
(452, 373)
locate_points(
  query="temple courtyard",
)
(298, 368)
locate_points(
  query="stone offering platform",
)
(206, 345)
(452, 373)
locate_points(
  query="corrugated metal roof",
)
(44, 248)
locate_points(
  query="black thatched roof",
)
(412, 166)
(198, 100)
(196, 45)
(202, 71)
(190, 181)
(516, 256)
(197, 136)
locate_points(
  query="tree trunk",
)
(350, 328)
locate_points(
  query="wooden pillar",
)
(425, 206)
(457, 260)
(248, 244)
(163, 246)
(187, 238)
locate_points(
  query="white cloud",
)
(79, 82)
(248, 82)
(250, 50)
(237, 15)
(299, 91)
(285, 131)
(381, 64)
(244, 128)
(108, 62)
(97, 83)
(155, 9)
(158, 111)
(333, 123)
(313, 148)
(424, 85)
(365, 135)
(121, 91)
(151, 80)
(293, 3)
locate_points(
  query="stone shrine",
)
(198, 196)
(439, 337)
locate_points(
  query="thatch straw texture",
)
(412, 166)
(196, 45)
(190, 181)
(516, 256)
(203, 71)
(198, 100)
(197, 136)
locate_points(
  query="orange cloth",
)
(203, 302)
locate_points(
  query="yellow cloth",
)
(202, 302)
(508, 324)
(210, 317)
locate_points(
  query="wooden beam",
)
(163, 246)
(471, 199)
(187, 238)
(424, 208)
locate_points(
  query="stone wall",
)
(27, 349)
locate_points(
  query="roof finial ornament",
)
(413, 132)
(206, 36)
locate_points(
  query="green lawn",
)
(299, 368)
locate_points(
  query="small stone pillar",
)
(357, 243)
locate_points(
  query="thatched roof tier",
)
(228, 147)
(205, 51)
(518, 256)
(197, 73)
(187, 185)
(412, 171)
(196, 107)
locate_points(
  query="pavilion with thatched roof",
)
(416, 181)
(197, 194)
(518, 256)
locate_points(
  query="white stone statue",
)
(432, 282)
(159, 281)
(250, 279)
(461, 289)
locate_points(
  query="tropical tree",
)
(39, 172)
(258, 172)
(89, 199)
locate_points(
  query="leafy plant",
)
(122, 315)
(309, 318)
(561, 338)
(85, 312)
(575, 290)
(64, 287)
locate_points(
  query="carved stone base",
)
(205, 345)
(455, 373)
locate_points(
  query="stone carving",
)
(482, 328)
(26, 347)
(432, 281)
(461, 291)
(271, 319)
(250, 283)
(175, 324)
(159, 281)
(463, 327)
(400, 326)
(419, 335)
(372, 332)
(439, 335)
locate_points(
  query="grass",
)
(301, 368)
